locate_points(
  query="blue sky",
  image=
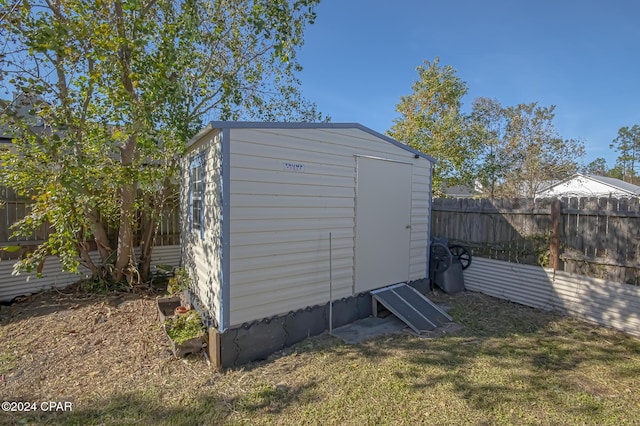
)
(582, 56)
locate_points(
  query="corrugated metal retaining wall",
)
(595, 300)
(12, 286)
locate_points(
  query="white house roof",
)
(288, 125)
(590, 186)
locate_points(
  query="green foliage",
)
(10, 249)
(109, 92)
(179, 282)
(627, 144)
(536, 153)
(616, 172)
(431, 121)
(104, 285)
(520, 150)
(510, 151)
(540, 248)
(8, 362)
(181, 328)
(597, 167)
(488, 128)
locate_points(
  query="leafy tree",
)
(431, 121)
(535, 152)
(597, 167)
(113, 90)
(615, 172)
(520, 150)
(627, 144)
(488, 128)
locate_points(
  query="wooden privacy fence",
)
(597, 237)
(14, 207)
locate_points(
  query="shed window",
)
(196, 194)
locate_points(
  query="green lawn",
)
(509, 365)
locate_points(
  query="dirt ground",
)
(81, 348)
(107, 357)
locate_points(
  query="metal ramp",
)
(411, 306)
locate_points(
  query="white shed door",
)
(383, 218)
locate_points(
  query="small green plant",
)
(179, 282)
(8, 361)
(181, 328)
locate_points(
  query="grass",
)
(509, 365)
(7, 355)
(182, 328)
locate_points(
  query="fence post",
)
(554, 248)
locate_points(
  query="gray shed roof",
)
(287, 125)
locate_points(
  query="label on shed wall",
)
(292, 167)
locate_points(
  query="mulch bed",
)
(80, 348)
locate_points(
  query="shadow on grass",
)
(206, 408)
(510, 355)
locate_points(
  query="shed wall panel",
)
(202, 255)
(340, 225)
(286, 236)
(259, 277)
(275, 152)
(258, 251)
(291, 189)
(281, 218)
(420, 211)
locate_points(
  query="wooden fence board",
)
(598, 237)
(14, 208)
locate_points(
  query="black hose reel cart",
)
(446, 263)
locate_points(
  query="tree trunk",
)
(150, 227)
(124, 260)
(100, 236)
(83, 248)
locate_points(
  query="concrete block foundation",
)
(258, 339)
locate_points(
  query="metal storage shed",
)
(259, 202)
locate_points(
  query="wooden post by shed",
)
(554, 249)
